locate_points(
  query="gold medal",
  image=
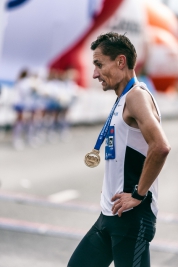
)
(92, 159)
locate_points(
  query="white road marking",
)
(58, 202)
(63, 196)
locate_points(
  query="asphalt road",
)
(49, 199)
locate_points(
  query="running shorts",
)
(124, 240)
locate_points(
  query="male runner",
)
(135, 152)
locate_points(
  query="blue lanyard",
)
(105, 128)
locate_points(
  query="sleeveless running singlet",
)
(123, 172)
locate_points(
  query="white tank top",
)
(123, 172)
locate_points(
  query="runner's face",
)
(106, 70)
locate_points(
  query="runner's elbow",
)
(163, 150)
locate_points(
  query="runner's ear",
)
(121, 61)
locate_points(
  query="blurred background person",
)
(24, 107)
(58, 93)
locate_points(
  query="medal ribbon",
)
(105, 128)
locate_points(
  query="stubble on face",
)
(106, 70)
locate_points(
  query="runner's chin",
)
(105, 87)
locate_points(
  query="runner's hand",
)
(123, 202)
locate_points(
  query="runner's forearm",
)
(153, 164)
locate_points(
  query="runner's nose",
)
(95, 74)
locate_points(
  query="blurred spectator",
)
(7, 114)
(24, 107)
(42, 107)
(60, 92)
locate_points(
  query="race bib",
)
(110, 144)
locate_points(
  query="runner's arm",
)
(140, 107)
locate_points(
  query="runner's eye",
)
(99, 65)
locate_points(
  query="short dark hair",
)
(113, 44)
